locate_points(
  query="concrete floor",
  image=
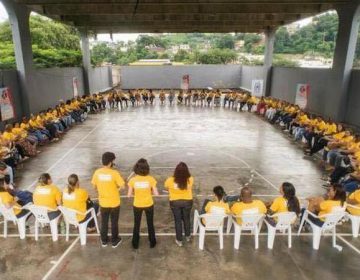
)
(221, 147)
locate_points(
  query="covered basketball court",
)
(220, 146)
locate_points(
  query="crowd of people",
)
(339, 145)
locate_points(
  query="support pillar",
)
(19, 20)
(349, 16)
(86, 58)
(268, 59)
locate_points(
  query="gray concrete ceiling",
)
(154, 16)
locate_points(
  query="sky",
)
(121, 37)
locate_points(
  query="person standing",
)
(181, 200)
(142, 186)
(107, 182)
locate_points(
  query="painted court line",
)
(348, 243)
(47, 275)
(67, 153)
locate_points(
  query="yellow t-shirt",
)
(279, 205)
(347, 139)
(215, 206)
(142, 187)
(177, 194)
(76, 201)
(330, 129)
(355, 196)
(326, 207)
(107, 181)
(7, 198)
(47, 196)
(339, 136)
(19, 132)
(24, 126)
(239, 207)
(8, 136)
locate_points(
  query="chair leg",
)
(67, 228)
(338, 247)
(196, 222)
(271, 237)
(221, 238)
(316, 237)
(256, 232)
(36, 230)
(237, 234)
(54, 229)
(21, 228)
(5, 228)
(229, 224)
(201, 238)
(82, 233)
(289, 237)
(302, 222)
(355, 225)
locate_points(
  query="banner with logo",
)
(185, 82)
(257, 87)
(75, 87)
(6, 104)
(302, 95)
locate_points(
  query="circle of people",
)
(339, 145)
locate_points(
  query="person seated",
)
(354, 199)
(77, 198)
(247, 204)
(320, 206)
(218, 205)
(48, 195)
(9, 201)
(6, 170)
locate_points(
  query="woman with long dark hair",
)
(287, 202)
(181, 200)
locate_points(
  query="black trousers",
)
(181, 210)
(149, 212)
(113, 214)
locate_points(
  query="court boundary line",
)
(62, 257)
(348, 243)
(67, 153)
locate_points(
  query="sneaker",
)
(179, 243)
(188, 238)
(117, 243)
(103, 244)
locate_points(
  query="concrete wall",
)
(52, 84)
(9, 78)
(284, 81)
(201, 76)
(249, 73)
(353, 104)
(100, 78)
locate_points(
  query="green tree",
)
(225, 42)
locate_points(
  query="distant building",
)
(156, 49)
(239, 44)
(176, 48)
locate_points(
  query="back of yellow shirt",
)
(47, 196)
(355, 196)
(107, 181)
(279, 205)
(142, 187)
(239, 207)
(215, 206)
(327, 206)
(177, 194)
(6, 199)
(76, 200)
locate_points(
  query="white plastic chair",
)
(41, 217)
(71, 219)
(9, 216)
(330, 222)
(213, 222)
(283, 223)
(251, 220)
(355, 220)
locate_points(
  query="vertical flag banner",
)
(75, 87)
(257, 87)
(185, 82)
(6, 104)
(302, 95)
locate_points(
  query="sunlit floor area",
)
(221, 147)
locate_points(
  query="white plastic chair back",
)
(40, 213)
(332, 219)
(69, 215)
(213, 221)
(8, 213)
(250, 218)
(284, 220)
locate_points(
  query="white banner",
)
(6, 104)
(302, 95)
(257, 87)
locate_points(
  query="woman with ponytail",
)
(287, 202)
(76, 198)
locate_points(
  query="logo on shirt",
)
(141, 185)
(105, 177)
(43, 191)
(67, 196)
